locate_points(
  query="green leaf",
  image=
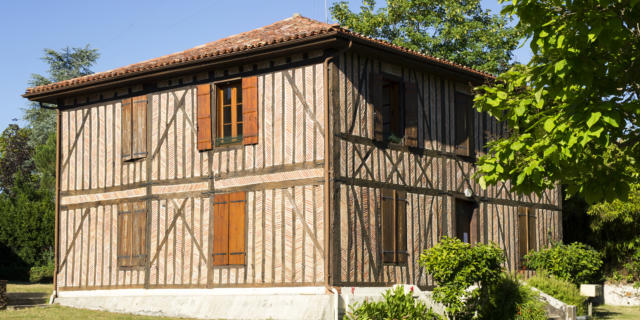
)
(610, 120)
(517, 146)
(595, 116)
(560, 41)
(520, 110)
(520, 179)
(502, 95)
(549, 124)
(560, 65)
(543, 34)
(483, 183)
(550, 150)
(492, 102)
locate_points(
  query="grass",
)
(55, 312)
(619, 313)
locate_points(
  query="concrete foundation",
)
(271, 303)
(621, 295)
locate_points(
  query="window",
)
(395, 110)
(463, 124)
(526, 231)
(229, 113)
(229, 229)
(394, 226)
(464, 220)
(134, 128)
(132, 234)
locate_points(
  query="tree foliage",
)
(459, 31)
(575, 262)
(573, 110)
(27, 173)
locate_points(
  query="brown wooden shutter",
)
(401, 226)
(380, 111)
(139, 127)
(462, 124)
(221, 229)
(411, 115)
(388, 226)
(237, 205)
(204, 117)
(132, 234)
(531, 235)
(126, 130)
(250, 110)
(124, 235)
(523, 241)
(139, 233)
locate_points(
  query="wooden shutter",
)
(205, 136)
(139, 127)
(380, 111)
(237, 205)
(531, 234)
(126, 130)
(250, 110)
(411, 115)
(221, 229)
(462, 123)
(523, 240)
(401, 226)
(388, 226)
(132, 234)
(124, 234)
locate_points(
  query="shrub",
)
(575, 262)
(42, 273)
(396, 305)
(510, 299)
(456, 266)
(560, 289)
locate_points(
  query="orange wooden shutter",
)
(124, 235)
(221, 229)
(139, 127)
(411, 115)
(204, 117)
(401, 226)
(126, 130)
(237, 205)
(250, 110)
(523, 240)
(531, 226)
(381, 112)
(388, 226)
(139, 233)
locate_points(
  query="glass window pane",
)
(226, 118)
(227, 130)
(239, 129)
(239, 113)
(226, 95)
(239, 94)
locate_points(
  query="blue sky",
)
(126, 32)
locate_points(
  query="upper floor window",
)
(134, 128)
(463, 124)
(229, 113)
(395, 110)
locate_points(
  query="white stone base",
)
(236, 303)
(621, 295)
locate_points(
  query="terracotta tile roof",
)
(296, 27)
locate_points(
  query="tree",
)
(15, 156)
(65, 64)
(459, 31)
(573, 111)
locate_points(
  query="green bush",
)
(510, 299)
(456, 266)
(560, 289)
(42, 273)
(575, 262)
(396, 305)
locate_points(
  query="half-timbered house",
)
(259, 175)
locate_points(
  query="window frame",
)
(134, 128)
(465, 111)
(472, 219)
(131, 208)
(220, 139)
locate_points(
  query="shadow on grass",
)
(606, 315)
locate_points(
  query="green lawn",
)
(612, 312)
